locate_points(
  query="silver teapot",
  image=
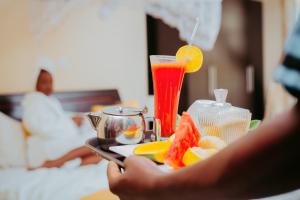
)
(124, 125)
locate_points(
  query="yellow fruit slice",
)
(192, 56)
(211, 142)
(196, 154)
(155, 151)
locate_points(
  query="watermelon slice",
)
(186, 117)
(194, 136)
(186, 136)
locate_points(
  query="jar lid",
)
(219, 109)
(124, 111)
(221, 95)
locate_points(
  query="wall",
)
(98, 52)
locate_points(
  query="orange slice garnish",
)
(192, 56)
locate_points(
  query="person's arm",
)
(86, 155)
(263, 163)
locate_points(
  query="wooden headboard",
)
(77, 101)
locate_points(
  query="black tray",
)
(101, 147)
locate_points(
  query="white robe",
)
(53, 132)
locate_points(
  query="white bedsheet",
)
(66, 183)
(50, 184)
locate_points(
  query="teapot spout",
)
(94, 119)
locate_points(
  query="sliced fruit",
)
(186, 118)
(171, 138)
(192, 56)
(186, 136)
(211, 142)
(179, 146)
(155, 151)
(196, 154)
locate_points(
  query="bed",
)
(67, 183)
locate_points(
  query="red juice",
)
(167, 81)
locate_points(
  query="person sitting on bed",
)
(55, 137)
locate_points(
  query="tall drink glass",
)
(167, 81)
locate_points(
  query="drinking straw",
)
(194, 31)
(190, 43)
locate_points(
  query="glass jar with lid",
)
(219, 118)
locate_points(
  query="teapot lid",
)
(123, 111)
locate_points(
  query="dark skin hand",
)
(134, 188)
(263, 163)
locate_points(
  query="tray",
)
(101, 146)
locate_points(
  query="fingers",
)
(125, 184)
(113, 171)
(113, 174)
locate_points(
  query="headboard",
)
(76, 101)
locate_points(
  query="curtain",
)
(182, 14)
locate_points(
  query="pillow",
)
(132, 103)
(12, 143)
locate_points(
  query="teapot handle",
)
(156, 130)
